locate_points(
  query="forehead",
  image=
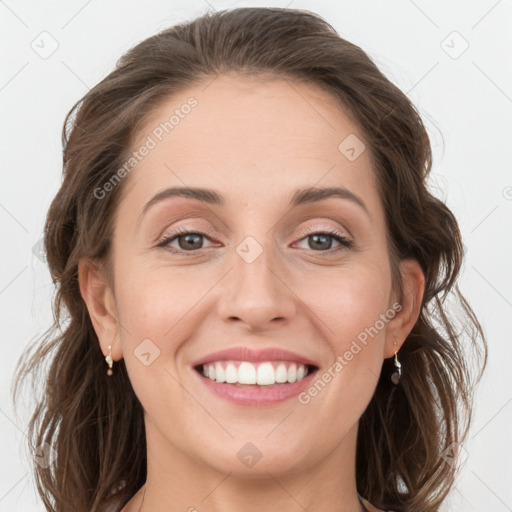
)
(251, 137)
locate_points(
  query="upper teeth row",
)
(263, 374)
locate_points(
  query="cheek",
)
(348, 301)
(165, 306)
(155, 308)
(349, 311)
(154, 318)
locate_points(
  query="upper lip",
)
(249, 354)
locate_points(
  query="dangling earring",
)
(395, 377)
(109, 361)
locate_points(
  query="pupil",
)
(190, 240)
(326, 241)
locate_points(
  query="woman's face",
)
(261, 270)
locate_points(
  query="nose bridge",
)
(255, 292)
(253, 263)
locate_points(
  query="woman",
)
(245, 235)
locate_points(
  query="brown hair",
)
(94, 422)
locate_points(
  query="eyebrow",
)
(301, 196)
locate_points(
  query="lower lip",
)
(256, 395)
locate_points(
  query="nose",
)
(256, 294)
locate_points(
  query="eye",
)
(321, 241)
(188, 241)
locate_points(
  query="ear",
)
(100, 303)
(403, 322)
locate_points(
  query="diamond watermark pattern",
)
(351, 147)
(45, 45)
(249, 249)
(45, 455)
(454, 45)
(454, 454)
(147, 352)
(249, 455)
(38, 250)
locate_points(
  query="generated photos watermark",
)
(344, 359)
(157, 135)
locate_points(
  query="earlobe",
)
(413, 289)
(99, 300)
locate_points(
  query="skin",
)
(255, 142)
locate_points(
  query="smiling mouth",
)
(255, 374)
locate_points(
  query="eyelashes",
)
(183, 232)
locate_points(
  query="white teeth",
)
(281, 373)
(231, 374)
(220, 374)
(246, 373)
(292, 373)
(264, 373)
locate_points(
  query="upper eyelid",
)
(317, 229)
(211, 232)
(322, 220)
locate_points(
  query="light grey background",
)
(465, 99)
